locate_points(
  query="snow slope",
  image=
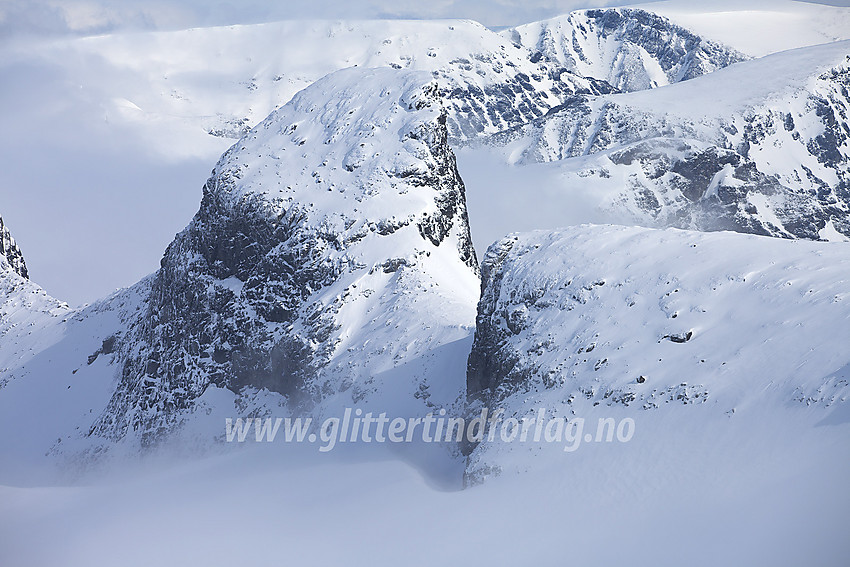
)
(761, 146)
(616, 321)
(759, 28)
(57, 374)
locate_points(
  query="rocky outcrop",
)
(10, 252)
(332, 244)
(488, 92)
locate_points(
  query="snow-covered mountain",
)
(591, 319)
(331, 265)
(157, 105)
(630, 49)
(332, 245)
(330, 258)
(759, 147)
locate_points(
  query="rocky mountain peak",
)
(631, 49)
(10, 253)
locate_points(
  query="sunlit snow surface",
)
(759, 27)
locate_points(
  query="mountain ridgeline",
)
(759, 147)
(630, 49)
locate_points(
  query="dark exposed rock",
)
(108, 347)
(10, 252)
(487, 367)
(679, 337)
(474, 110)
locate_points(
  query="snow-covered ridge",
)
(57, 371)
(24, 308)
(630, 49)
(607, 316)
(761, 146)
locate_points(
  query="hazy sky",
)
(94, 16)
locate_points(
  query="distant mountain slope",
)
(759, 27)
(759, 147)
(630, 49)
(615, 317)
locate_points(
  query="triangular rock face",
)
(10, 253)
(332, 247)
(630, 49)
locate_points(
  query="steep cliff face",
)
(489, 84)
(761, 147)
(630, 49)
(10, 253)
(612, 321)
(332, 246)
